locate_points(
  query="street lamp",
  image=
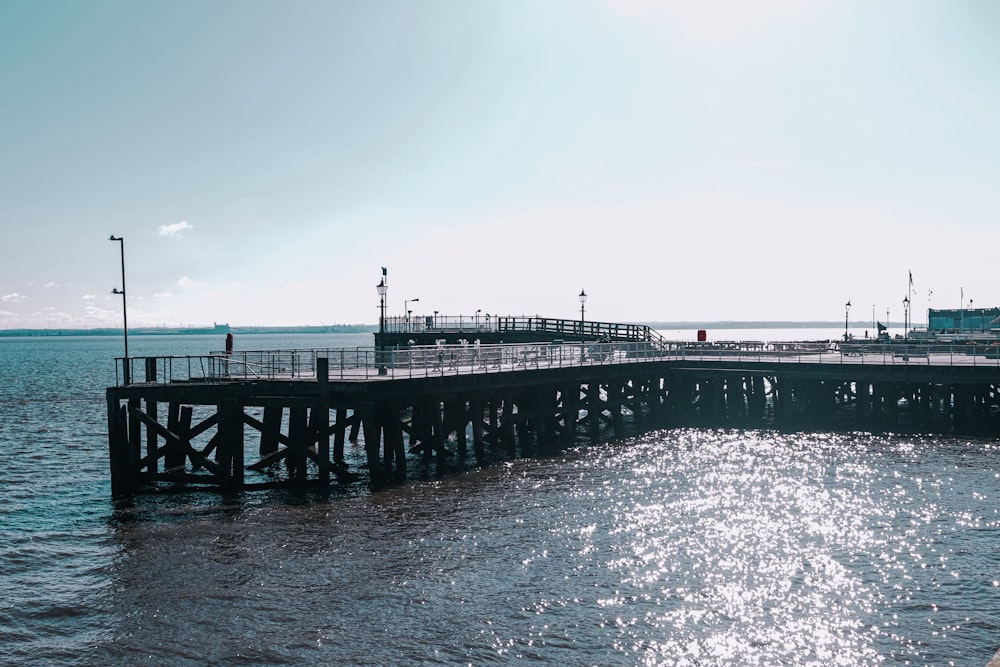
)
(478, 310)
(906, 317)
(406, 311)
(847, 309)
(121, 243)
(382, 289)
(583, 342)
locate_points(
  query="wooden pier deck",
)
(283, 417)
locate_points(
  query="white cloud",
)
(163, 295)
(186, 282)
(89, 297)
(175, 229)
(13, 297)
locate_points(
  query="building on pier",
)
(963, 320)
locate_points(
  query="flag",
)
(911, 279)
(881, 327)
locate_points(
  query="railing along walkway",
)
(553, 328)
(366, 363)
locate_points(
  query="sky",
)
(678, 161)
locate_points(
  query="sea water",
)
(675, 547)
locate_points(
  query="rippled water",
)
(679, 547)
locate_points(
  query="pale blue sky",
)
(677, 160)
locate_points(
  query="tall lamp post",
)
(583, 300)
(847, 309)
(379, 350)
(121, 244)
(406, 311)
(906, 317)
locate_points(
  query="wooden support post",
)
(384, 413)
(182, 429)
(173, 460)
(492, 423)
(548, 403)
(507, 424)
(229, 453)
(355, 425)
(373, 437)
(716, 399)
(273, 416)
(320, 419)
(456, 418)
(615, 392)
(570, 395)
(123, 461)
(435, 414)
(421, 431)
(594, 409)
(393, 429)
(319, 426)
(476, 417)
(339, 434)
(299, 440)
(152, 442)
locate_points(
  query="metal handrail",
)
(361, 363)
(486, 323)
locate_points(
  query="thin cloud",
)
(175, 229)
(89, 297)
(13, 297)
(186, 282)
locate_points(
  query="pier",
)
(261, 419)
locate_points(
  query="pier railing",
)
(362, 363)
(547, 326)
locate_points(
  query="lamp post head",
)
(115, 238)
(382, 288)
(118, 291)
(583, 296)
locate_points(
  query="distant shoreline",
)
(372, 328)
(191, 331)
